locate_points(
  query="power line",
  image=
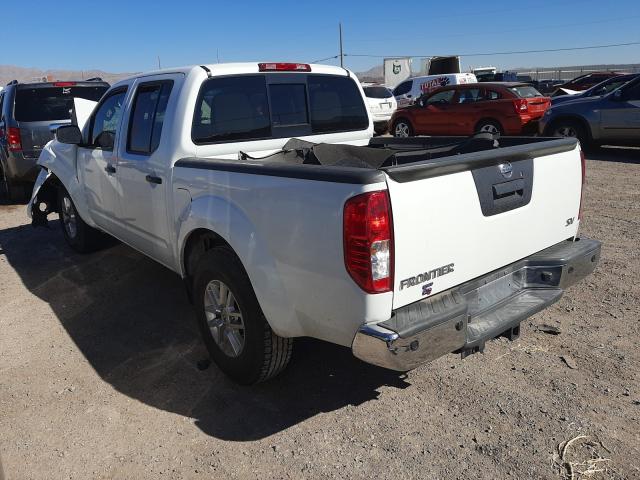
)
(325, 59)
(499, 53)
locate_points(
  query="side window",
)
(491, 95)
(231, 108)
(402, 88)
(632, 92)
(469, 95)
(1, 106)
(443, 97)
(288, 104)
(147, 116)
(104, 123)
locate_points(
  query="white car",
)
(409, 91)
(381, 104)
(401, 249)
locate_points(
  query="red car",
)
(508, 108)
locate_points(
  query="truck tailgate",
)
(457, 218)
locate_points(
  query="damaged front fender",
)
(41, 204)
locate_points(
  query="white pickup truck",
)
(260, 185)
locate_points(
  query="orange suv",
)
(508, 108)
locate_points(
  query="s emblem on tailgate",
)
(425, 277)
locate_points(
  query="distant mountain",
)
(26, 74)
(374, 74)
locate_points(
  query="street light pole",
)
(341, 54)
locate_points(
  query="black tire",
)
(82, 237)
(11, 190)
(263, 354)
(402, 128)
(489, 126)
(571, 129)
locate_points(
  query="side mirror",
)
(69, 134)
(106, 140)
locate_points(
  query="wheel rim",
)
(565, 132)
(402, 130)
(69, 218)
(489, 128)
(224, 318)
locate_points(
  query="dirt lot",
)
(99, 377)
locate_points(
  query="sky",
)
(128, 36)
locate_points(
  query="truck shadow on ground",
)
(615, 154)
(131, 320)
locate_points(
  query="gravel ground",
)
(99, 377)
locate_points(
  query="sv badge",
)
(570, 221)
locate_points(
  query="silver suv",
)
(27, 110)
(612, 119)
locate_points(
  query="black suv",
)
(27, 111)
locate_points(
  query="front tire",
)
(402, 128)
(80, 236)
(571, 129)
(231, 322)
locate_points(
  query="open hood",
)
(82, 109)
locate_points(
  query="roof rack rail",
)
(12, 82)
(94, 79)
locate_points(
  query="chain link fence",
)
(568, 73)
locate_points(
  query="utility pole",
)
(159, 66)
(218, 55)
(341, 54)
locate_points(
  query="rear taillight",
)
(13, 139)
(284, 67)
(368, 241)
(583, 163)
(64, 84)
(520, 105)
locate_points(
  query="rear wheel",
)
(231, 322)
(402, 128)
(488, 126)
(9, 189)
(80, 236)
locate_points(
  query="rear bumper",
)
(21, 168)
(464, 318)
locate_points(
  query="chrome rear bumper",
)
(464, 318)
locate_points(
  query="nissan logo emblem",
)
(506, 169)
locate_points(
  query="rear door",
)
(449, 229)
(144, 167)
(38, 106)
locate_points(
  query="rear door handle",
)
(110, 169)
(152, 179)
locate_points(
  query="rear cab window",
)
(258, 107)
(51, 103)
(525, 91)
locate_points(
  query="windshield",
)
(41, 104)
(377, 92)
(525, 91)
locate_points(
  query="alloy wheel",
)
(224, 318)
